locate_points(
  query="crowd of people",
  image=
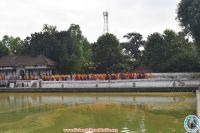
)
(113, 76)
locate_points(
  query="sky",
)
(21, 18)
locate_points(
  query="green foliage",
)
(169, 51)
(131, 53)
(107, 54)
(49, 29)
(14, 45)
(3, 50)
(188, 15)
(135, 41)
(77, 51)
(69, 48)
(153, 51)
(184, 62)
(43, 43)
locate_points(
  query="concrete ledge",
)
(198, 102)
(139, 83)
(133, 89)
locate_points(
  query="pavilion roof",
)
(11, 60)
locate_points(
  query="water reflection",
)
(11, 102)
(129, 113)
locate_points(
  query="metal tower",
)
(105, 16)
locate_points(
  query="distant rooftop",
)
(10, 61)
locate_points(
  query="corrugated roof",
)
(26, 61)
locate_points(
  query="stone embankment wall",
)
(156, 80)
(120, 83)
(198, 101)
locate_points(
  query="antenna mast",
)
(105, 16)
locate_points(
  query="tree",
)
(3, 50)
(43, 43)
(49, 28)
(69, 48)
(135, 41)
(14, 45)
(154, 51)
(131, 53)
(88, 64)
(107, 53)
(187, 61)
(163, 51)
(188, 15)
(78, 50)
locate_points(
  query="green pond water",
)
(128, 112)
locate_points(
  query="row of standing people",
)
(114, 76)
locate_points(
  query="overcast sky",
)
(23, 17)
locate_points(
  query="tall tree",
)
(131, 52)
(69, 48)
(14, 44)
(3, 50)
(154, 51)
(74, 46)
(187, 61)
(107, 53)
(163, 51)
(135, 41)
(43, 43)
(188, 15)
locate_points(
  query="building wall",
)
(16, 72)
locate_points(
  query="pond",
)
(127, 112)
